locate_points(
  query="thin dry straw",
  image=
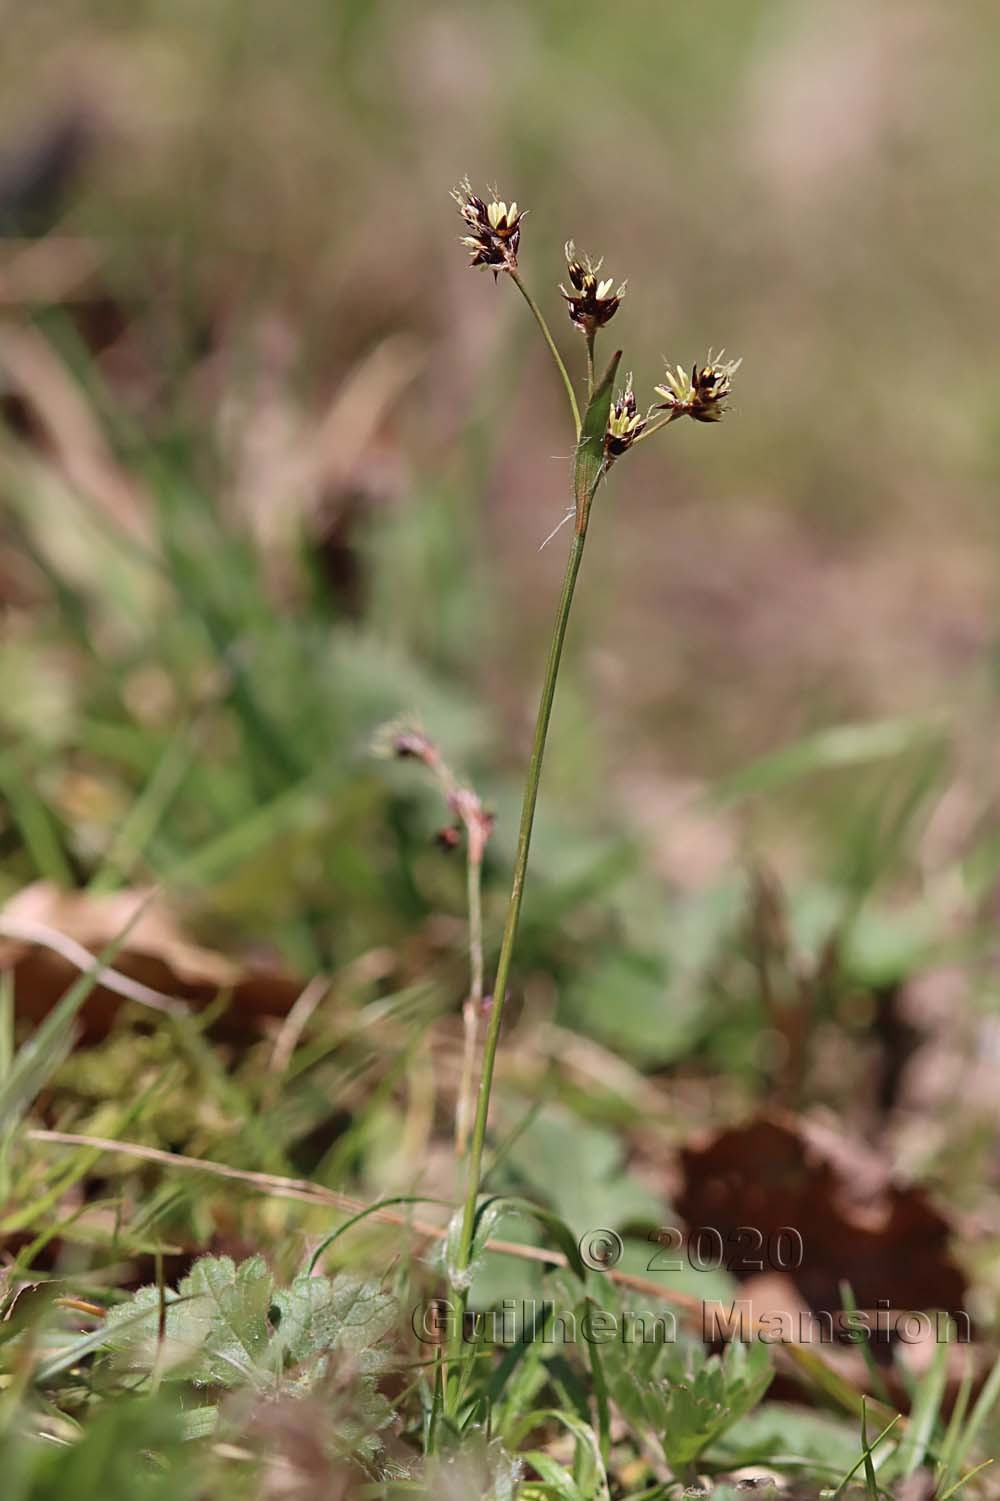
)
(82, 959)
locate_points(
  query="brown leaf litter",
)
(48, 934)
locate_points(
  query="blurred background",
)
(276, 467)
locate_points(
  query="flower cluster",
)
(409, 742)
(625, 423)
(495, 229)
(592, 302)
(702, 394)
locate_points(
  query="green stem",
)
(546, 333)
(475, 1161)
(591, 336)
(664, 422)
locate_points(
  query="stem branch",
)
(663, 422)
(547, 335)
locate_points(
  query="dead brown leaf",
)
(46, 932)
(856, 1226)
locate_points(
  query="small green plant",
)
(610, 425)
(687, 1400)
(229, 1328)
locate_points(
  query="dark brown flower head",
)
(625, 423)
(494, 229)
(592, 302)
(702, 394)
(408, 741)
(448, 838)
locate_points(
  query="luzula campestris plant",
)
(470, 820)
(610, 425)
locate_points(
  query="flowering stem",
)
(546, 333)
(463, 1255)
(591, 335)
(473, 1005)
(474, 883)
